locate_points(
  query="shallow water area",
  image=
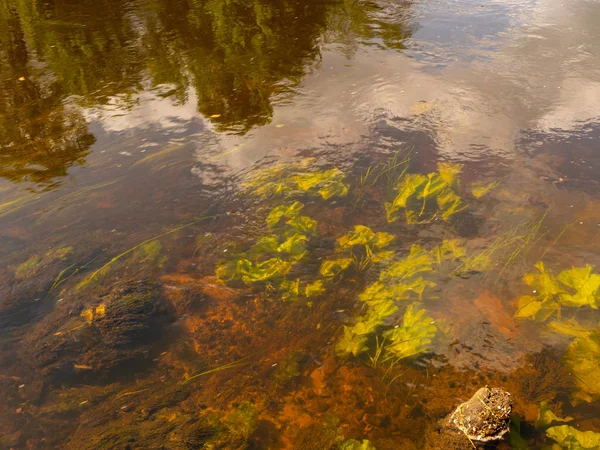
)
(297, 225)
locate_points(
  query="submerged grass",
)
(60, 202)
(158, 155)
(99, 271)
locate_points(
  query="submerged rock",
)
(486, 416)
(477, 423)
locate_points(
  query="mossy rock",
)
(122, 328)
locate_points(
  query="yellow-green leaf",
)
(332, 268)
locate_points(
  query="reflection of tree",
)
(39, 137)
(239, 55)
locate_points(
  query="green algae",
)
(36, 263)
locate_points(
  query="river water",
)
(297, 224)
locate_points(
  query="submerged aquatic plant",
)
(424, 198)
(274, 255)
(575, 287)
(286, 180)
(107, 268)
(565, 436)
(36, 263)
(480, 189)
(582, 358)
(413, 337)
(401, 281)
(353, 444)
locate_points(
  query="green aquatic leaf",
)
(449, 203)
(353, 444)
(583, 361)
(332, 268)
(449, 173)
(414, 336)
(265, 245)
(226, 271)
(544, 283)
(565, 436)
(294, 245)
(449, 250)
(290, 179)
(571, 438)
(351, 343)
(290, 290)
(375, 317)
(315, 288)
(478, 190)
(418, 261)
(435, 186)
(382, 240)
(583, 287)
(407, 188)
(547, 418)
(516, 440)
(570, 328)
(332, 190)
(289, 211)
(58, 253)
(326, 183)
(536, 308)
(582, 358)
(271, 268)
(303, 224)
(382, 256)
(363, 235)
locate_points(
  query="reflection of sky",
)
(475, 75)
(542, 74)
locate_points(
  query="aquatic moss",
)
(35, 263)
(28, 268)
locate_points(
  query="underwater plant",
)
(275, 254)
(583, 359)
(575, 287)
(400, 282)
(36, 263)
(353, 444)
(424, 198)
(287, 180)
(565, 436)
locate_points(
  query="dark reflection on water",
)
(130, 133)
(239, 57)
